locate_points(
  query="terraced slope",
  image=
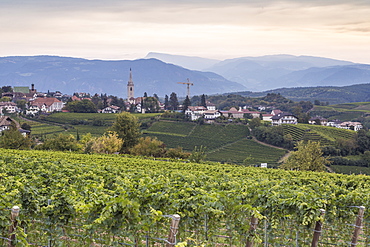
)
(324, 134)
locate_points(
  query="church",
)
(130, 90)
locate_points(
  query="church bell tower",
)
(130, 89)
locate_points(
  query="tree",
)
(21, 104)
(203, 101)
(83, 106)
(5, 99)
(186, 103)
(198, 154)
(255, 122)
(166, 102)
(308, 157)
(127, 128)
(26, 126)
(109, 143)
(173, 103)
(13, 139)
(149, 147)
(150, 104)
(7, 89)
(145, 95)
(61, 142)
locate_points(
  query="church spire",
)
(130, 89)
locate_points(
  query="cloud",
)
(205, 26)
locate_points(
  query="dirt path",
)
(282, 159)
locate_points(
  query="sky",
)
(129, 29)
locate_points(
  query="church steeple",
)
(130, 89)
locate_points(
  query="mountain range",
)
(277, 71)
(160, 73)
(70, 75)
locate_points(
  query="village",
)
(30, 102)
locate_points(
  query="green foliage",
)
(83, 106)
(109, 143)
(99, 196)
(308, 157)
(151, 104)
(177, 153)
(198, 155)
(13, 139)
(254, 123)
(148, 147)
(186, 103)
(274, 135)
(61, 142)
(26, 126)
(127, 127)
(5, 99)
(173, 102)
(21, 104)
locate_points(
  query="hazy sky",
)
(129, 29)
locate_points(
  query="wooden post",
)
(13, 218)
(252, 229)
(317, 231)
(171, 241)
(358, 225)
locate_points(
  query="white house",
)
(321, 120)
(334, 123)
(284, 118)
(211, 114)
(210, 106)
(10, 107)
(47, 104)
(356, 126)
(111, 109)
(267, 117)
(195, 112)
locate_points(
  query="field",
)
(189, 135)
(70, 118)
(224, 143)
(72, 200)
(351, 169)
(344, 112)
(71, 123)
(324, 134)
(245, 148)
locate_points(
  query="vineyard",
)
(69, 199)
(210, 136)
(237, 152)
(325, 135)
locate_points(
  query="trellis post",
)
(358, 225)
(171, 241)
(317, 230)
(252, 229)
(13, 218)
